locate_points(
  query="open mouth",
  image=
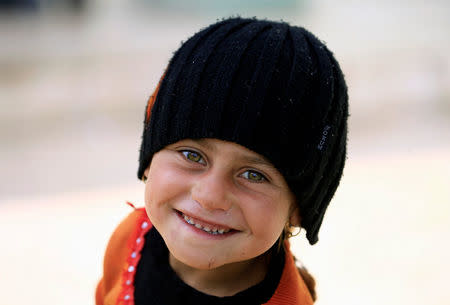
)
(209, 228)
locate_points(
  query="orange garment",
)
(123, 254)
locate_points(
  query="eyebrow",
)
(205, 143)
(258, 161)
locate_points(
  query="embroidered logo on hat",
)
(324, 137)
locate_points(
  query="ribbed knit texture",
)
(271, 87)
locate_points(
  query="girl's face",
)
(216, 202)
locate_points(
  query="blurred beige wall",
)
(73, 88)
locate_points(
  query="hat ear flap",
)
(152, 99)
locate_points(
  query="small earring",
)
(144, 178)
(289, 229)
(296, 233)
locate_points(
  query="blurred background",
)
(74, 80)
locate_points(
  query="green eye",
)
(192, 156)
(254, 176)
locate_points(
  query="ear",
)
(295, 219)
(145, 176)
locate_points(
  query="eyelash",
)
(186, 153)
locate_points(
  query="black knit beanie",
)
(271, 87)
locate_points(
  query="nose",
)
(213, 191)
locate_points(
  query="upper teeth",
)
(214, 231)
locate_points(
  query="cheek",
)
(158, 193)
(163, 184)
(266, 218)
(272, 213)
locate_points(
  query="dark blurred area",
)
(199, 5)
(20, 6)
(16, 5)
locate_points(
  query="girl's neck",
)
(225, 280)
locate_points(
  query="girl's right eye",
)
(193, 156)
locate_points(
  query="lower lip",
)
(203, 233)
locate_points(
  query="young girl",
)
(244, 139)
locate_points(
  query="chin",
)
(199, 262)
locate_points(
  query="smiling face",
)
(216, 202)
